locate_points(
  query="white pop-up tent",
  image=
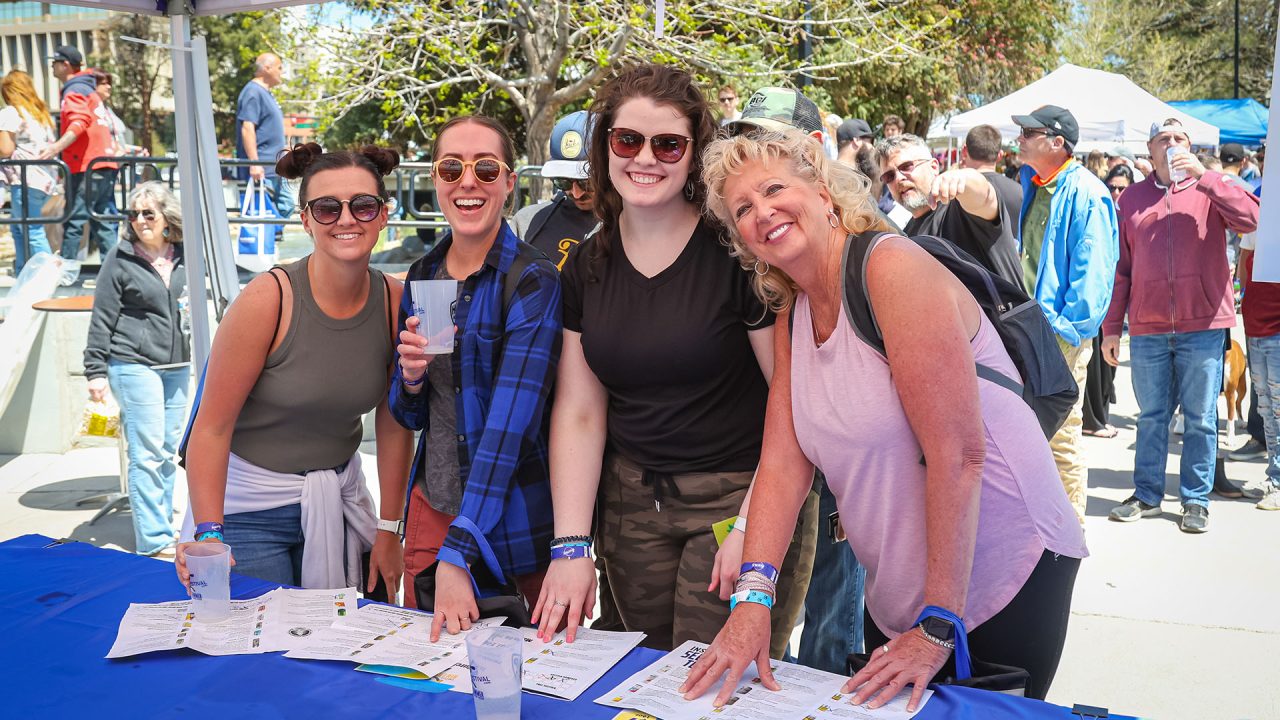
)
(1110, 108)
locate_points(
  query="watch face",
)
(939, 628)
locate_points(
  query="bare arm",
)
(395, 449)
(971, 189)
(249, 134)
(7, 145)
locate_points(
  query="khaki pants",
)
(1066, 444)
(659, 561)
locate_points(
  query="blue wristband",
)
(763, 568)
(751, 596)
(205, 527)
(210, 534)
(414, 383)
(963, 667)
(570, 552)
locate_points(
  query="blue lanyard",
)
(963, 669)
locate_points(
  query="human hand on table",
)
(728, 564)
(909, 659)
(413, 361)
(180, 562)
(745, 637)
(386, 560)
(98, 389)
(455, 601)
(568, 594)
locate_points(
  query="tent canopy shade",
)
(201, 7)
(1241, 121)
(1110, 108)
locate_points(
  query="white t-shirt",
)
(30, 136)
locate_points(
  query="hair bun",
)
(294, 162)
(383, 158)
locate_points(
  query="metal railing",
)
(62, 174)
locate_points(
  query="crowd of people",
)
(668, 345)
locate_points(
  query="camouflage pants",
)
(659, 561)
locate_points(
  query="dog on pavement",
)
(1234, 386)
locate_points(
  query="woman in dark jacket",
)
(138, 345)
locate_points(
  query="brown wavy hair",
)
(307, 159)
(664, 85)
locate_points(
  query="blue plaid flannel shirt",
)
(503, 379)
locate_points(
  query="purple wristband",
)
(205, 527)
(764, 568)
(414, 383)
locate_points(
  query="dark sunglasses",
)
(1117, 188)
(566, 184)
(888, 176)
(1036, 132)
(487, 170)
(327, 210)
(147, 215)
(667, 147)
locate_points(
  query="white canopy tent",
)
(1110, 108)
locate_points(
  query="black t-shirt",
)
(558, 228)
(990, 242)
(1009, 193)
(685, 389)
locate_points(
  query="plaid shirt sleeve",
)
(519, 396)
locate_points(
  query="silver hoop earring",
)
(760, 272)
(831, 218)
(689, 189)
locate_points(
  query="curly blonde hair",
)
(849, 189)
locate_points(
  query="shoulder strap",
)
(857, 301)
(540, 219)
(280, 306)
(525, 254)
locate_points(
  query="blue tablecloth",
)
(60, 607)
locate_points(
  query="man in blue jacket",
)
(1069, 241)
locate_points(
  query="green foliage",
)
(233, 43)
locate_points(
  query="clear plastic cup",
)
(434, 302)
(1175, 175)
(210, 568)
(495, 655)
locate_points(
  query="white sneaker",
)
(1178, 424)
(1256, 489)
(1271, 501)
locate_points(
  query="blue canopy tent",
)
(1239, 121)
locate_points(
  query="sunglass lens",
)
(487, 171)
(326, 210)
(562, 184)
(668, 148)
(626, 143)
(449, 171)
(365, 207)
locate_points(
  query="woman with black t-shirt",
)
(661, 391)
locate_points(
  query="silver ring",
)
(560, 603)
(885, 647)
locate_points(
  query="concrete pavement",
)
(1164, 624)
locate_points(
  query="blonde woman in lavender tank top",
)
(945, 484)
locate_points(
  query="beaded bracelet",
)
(752, 596)
(767, 569)
(570, 539)
(755, 584)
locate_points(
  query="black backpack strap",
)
(857, 301)
(540, 218)
(525, 255)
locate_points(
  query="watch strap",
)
(391, 526)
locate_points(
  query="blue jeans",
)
(153, 411)
(281, 196)
(96, 197)
(27, 239)
(1170, 370)
(1264, 373)
(267, 544)
(833, 607)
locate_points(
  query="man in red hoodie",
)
(1174, 282)
(86, 134)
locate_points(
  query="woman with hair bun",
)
(479, 506)
(302, 354)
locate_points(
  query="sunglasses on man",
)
(564, 185)
(1029, 133)
(668, 148)
(902, 168)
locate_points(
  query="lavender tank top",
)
(851, 425)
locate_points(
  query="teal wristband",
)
(210, 534)
(751, 596)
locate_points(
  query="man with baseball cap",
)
(1121, 155)
(1067, 232)
(850, 137)
(86, 135)
(780, 110)
(1174, 283)
(557, 225)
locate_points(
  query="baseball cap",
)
(1057, 120)
(1231, 153)
(569, 140)
(778, 109)
(68, 53)
(1122, 151)
(852, 129)
(1168, 125)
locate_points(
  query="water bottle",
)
(184, 313)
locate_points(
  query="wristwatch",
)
(938, 631)
(391, 526)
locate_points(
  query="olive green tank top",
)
(304, 412)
